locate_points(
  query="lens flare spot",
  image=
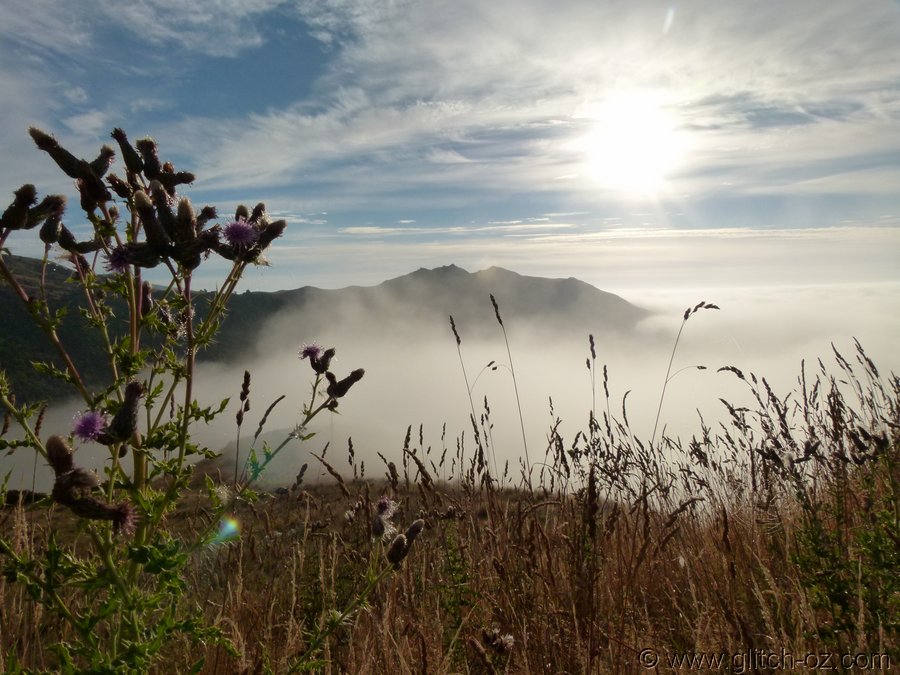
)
(229, 529)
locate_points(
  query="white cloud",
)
(90, 123)
(485, 97)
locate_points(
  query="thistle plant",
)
(145, 410)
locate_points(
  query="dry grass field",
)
(774, 535)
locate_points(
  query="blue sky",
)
(632, 144)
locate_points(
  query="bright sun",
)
(633, 145)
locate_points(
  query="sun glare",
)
(633, 145)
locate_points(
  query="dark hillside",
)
(416, 305)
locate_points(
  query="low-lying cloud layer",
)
(414, 379)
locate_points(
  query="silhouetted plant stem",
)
(469, 389)
(688, 313)
(512, 370)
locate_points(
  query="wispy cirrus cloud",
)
(462, 115)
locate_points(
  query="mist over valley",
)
(399, 332)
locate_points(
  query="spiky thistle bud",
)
(398, 550)
(186, 221)
(66, 239)
(339, 388)
(414, 530)
(49, 231)
(132, 160)
(104, 160)
(152, 166)
(259, 212)
(206, 214)
(321, 363)
(51, 206)
(270, 233)
(157, 237)
(65, 160)
(15, 217)
(59, 455)
(161, 200)
(119, 186)
(140, 254)
(124, 422)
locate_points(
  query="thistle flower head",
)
(117, 260)
(386, 507)
(310, 351)
(124, 519)
(241, 234)
(89, 426)
(382, 526)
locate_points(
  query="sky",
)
(635, 145)
(742, 152)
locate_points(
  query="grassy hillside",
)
(23, 342)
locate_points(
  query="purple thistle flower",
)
(241, 234)
(310, 351)
(90, 426)
(386, 507)
(117, 261)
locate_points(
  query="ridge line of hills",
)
(416, 304)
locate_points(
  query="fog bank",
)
(413, 374)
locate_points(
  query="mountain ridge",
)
(416, 305)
